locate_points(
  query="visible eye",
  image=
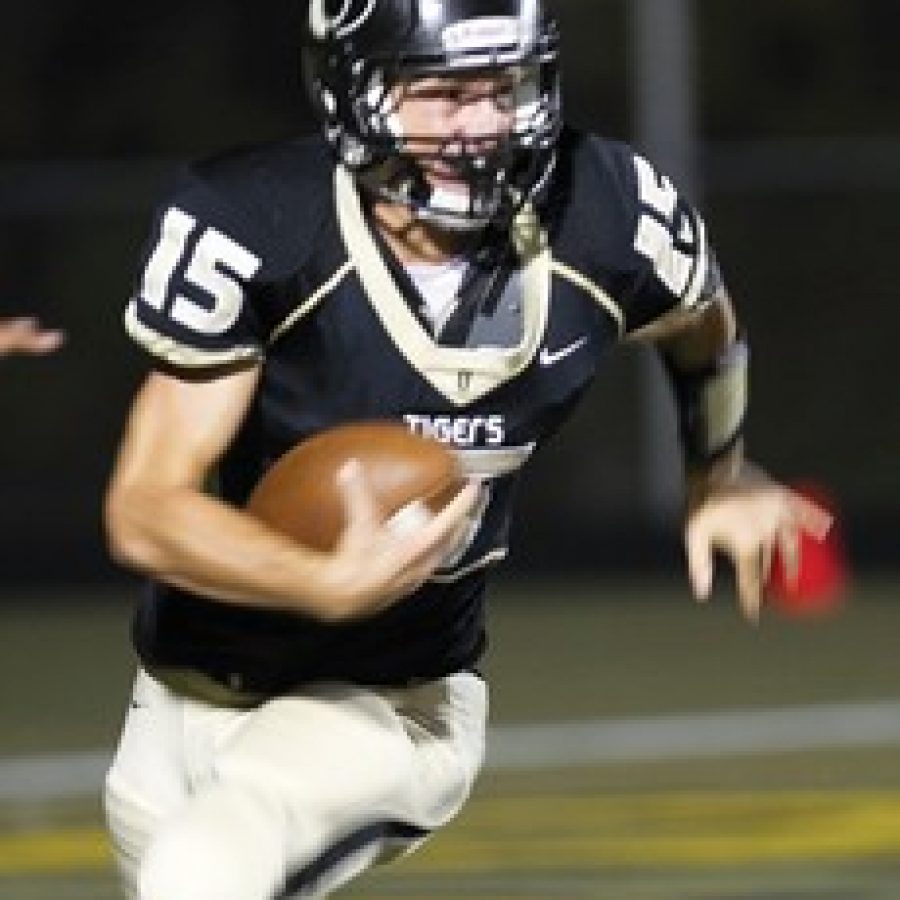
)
(453, 94)
(505, 98)
(444, 92)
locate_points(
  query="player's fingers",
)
(749, 569)
(444, 528)
(464, 501)
(700, 562)
(24, 335)
(789, 550)
(14, 332)
(45, 342)
(416, 564)
(812, 518)
(418, 544)
(767, 554)
(360, 506)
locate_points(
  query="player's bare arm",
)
(26, 335)
(732, 507)
(160, 520)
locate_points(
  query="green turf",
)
(559, 651)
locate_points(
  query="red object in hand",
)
(822, 574)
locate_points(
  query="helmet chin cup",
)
(457, 211)
(469, 209)
(481, 197)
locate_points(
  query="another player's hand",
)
(375, 564)
(26, 335)
(747, 519)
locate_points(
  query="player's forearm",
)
(708, 364)
(196, 542)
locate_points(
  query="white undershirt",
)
(438, 283)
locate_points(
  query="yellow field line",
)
(55, 850)
(671, 829)
(557, 833)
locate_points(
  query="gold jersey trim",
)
(171, 351)
(593, 290)
(461, 375)
(308, 305)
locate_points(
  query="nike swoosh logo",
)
(552, 357)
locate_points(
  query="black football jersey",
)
(268, 255)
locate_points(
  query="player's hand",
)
(26, 335)
(375, 563)
(747, 519)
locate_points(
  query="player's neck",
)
(414, 241)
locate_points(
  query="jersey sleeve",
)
(194, 302)
(671, 258)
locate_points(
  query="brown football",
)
(299, 495)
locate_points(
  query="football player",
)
(449, 255)
(26, 335)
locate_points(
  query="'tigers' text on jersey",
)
(462, 431)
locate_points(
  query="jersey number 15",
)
(216, 265)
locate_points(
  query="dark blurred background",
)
(789, 142)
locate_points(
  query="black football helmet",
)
(355, 51)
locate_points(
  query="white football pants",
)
(289, 799)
